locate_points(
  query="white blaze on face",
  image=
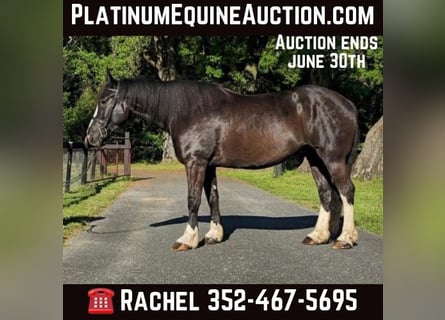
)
(94, 116)
(96, 111)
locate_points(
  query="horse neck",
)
(149, 106)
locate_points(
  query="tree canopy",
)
(247, 64)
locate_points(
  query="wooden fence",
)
(91, 157)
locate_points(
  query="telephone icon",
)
(100, 301)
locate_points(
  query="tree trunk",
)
(162, 58)
(369, 163)
(168, 152)
(304, 166)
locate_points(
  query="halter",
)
(103, 123)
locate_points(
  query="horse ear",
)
(110, 78)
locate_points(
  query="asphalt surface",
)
(131, 241)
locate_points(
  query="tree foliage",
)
(249, 64)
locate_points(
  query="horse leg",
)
(341, 177)
(195, 180)
(216, 232)
(330, 205)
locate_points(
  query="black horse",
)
(212, 126)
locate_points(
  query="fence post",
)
(103, 163)
(278, 170)
(127, 155)
(116, 158)
(84, 165)
(93, 165)
(68, 166)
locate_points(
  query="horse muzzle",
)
(86, 141)
(90, 141)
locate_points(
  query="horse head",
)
(111, 112)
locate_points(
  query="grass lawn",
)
(84, 204)
(300, 188)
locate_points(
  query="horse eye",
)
(103, 101)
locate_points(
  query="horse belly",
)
(254, 149)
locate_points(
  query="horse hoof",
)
(309, 241)
(177, 246)
(342, 245)
(211, 241)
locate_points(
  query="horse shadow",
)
(234, 222)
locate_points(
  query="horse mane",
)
(166, 101)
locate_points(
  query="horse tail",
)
(353, 154)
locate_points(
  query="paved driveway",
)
(131, 241)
